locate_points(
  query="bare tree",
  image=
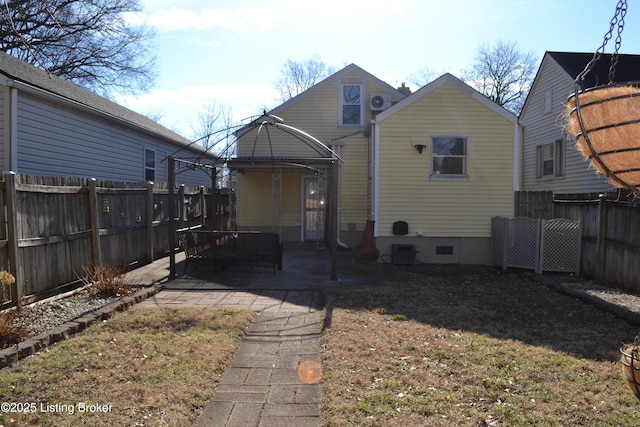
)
(214, 130)
(296, 77)
(422, 76)
(503, 73)
(88, 42)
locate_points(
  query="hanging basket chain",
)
(622, 8)
(616, 21)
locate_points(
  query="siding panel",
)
(58, 141)
(256, 198)
(445, 208)
(540, 127)
(317, 113)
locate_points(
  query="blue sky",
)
(231, 52)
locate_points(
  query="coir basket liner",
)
(631, 367)
(605, 123)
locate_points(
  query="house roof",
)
(318, 86)
(447, 78)
(573, 63)
(627, 68)
(38, 79)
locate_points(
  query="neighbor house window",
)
(149, 164)
(449, 156)
(351, 104)
(548, 101)
(550, 159)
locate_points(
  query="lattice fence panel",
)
(522, 240)
(561, 244)
(536, 244)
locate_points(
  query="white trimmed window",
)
(448, 157)
(351, 104)
(550, 159)
(149, 164)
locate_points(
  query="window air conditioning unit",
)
(379, 101)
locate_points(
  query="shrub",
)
(10, 331)
(107, 280)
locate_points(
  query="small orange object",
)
(310, 372)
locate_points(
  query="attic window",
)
(351, 104)
(548, 101)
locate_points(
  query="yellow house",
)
(285, 160)
(441, 161)
(445, 160)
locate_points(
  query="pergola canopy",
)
(240, 163)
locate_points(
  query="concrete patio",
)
(305, 266)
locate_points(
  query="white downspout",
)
(517, 157)
(375, 164)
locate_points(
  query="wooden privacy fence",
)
(610, 235)
(56, 226)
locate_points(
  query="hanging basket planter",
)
(630, 360)
(605, 122)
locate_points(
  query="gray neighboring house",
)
(550, 159)
(51, 127)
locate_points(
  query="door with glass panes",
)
(314, 208)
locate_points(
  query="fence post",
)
(96, 252)
(602, 238)
(539, 243)
(181, 207)
(149, 219)
(203, 206)
(214, 221)
(15, 260)
(502, 224)
(505, 223)
(172, 216)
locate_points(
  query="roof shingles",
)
(627, 68)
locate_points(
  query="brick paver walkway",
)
(262, 386)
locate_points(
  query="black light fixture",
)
(420, 147)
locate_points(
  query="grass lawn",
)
(471, 346)
(424, 346)
(143, 367)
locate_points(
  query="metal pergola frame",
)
(326, 159)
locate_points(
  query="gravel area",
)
(48, 314)
(617, 302)
(614, 296)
